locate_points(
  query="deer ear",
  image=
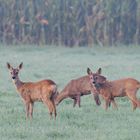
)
(99, 71)
(20, 66)
(89, 72)
(8, 65)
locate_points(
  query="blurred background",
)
(70, 22)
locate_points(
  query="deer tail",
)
(138, 86)
(55, 95)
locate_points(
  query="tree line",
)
(70, 22)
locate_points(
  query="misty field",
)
(90, 122)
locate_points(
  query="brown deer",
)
(77, 88)
(117, 88)
(30, 92)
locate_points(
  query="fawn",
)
(117, 88)
(30, 92)
(77, 88)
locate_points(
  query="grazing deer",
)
(43, 91)
(117, 88)
(77, 88)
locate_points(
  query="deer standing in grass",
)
(43, 91)
(77, 88)
(117, 88)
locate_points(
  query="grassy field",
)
(61, 65)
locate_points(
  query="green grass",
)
(61, 65)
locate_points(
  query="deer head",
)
(96, 78)
(14, 71)
(92, 75)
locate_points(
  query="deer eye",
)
(16, 72)
(96, 78)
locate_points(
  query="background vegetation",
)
(61, 65)
(70, 22)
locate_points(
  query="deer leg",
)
(114, 104)
(27, 109)
(31, 109)
(135, 102)
(75, 101)
(48, 102)
(96, 96)
(54, 107)
(79, 100)
(107, 102)
(97, 99)
(134, 105)
(53, 103)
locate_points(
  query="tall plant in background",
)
(128, 20)
(113, 12)
(70, 22)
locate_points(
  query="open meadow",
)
(90, 122)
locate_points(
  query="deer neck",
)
(60, 97)
(107, 85)
(18, 84)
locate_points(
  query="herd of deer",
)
(95, 83)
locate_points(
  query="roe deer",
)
(43, 91)
(117, 88)
(76, 88)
